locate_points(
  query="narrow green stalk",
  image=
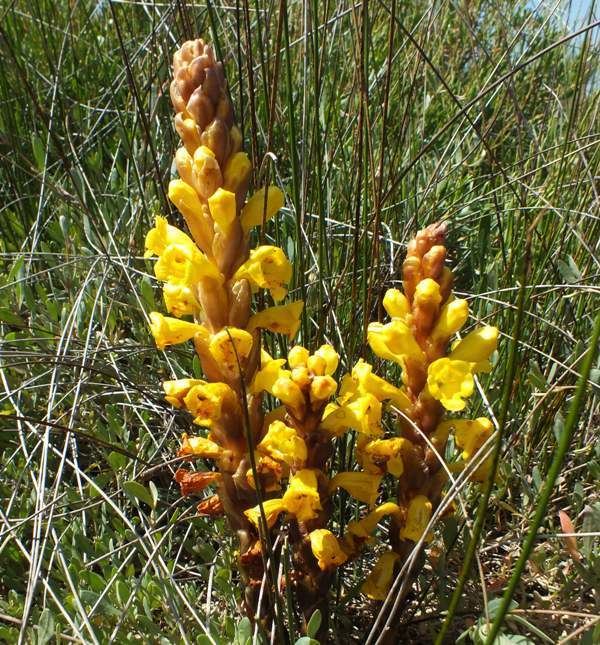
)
(559, 455)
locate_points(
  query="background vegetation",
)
(376, 119)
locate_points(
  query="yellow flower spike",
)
(396, 304)
(272, 508)
(283, 444)
(252, 213)
(330, 356)
(418, 515)
(365, 527)
(476, 347)
(269, 373)
(163, 235)
(321, 388)
(362, 414)
(327, 549)
(298, 356)
(175, 391)
(282, 319)
(206, 172)
(362, 486)
(171, 331)
(230, 348)
(394, 341)
(302, 495)
(451, 319)
(370, 383)
(236, 171)
(289, 394)
(205, 402)
(316, 364)
(379, 581)
(450, 382)
(267, 268)
(384, 454)
(470, 435)
(199, 447)
(427, 293)
(182, 264)
(222, 208)
(180, 300)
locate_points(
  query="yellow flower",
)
(450, 382)
(284, 319)
(379, 581)
(453, 316)
(206, 401)
(370, 383)
(267, 268)
(271, 507)
(180, 300)
(321, 388)
(269, 373)
(171, 331)
(396, 304)
(185, 198)
(427, 293)
(362, 414)
(283, 443)
(394, 341)
(230, 348)
(199, 447)
(187, 265)
(289, 394)
(302, 496)
(298, 356)
(206, 172)
(382, 455)
(327, 549)
(163, 235)
(365, 527)
(222, 207)
(255, 208)
(237, 171)
(476, 347)
(418, 515)
(175, 391)
(362, 486)
(470, 435)
(330, 356)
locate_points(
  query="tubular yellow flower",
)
(206, 401)
(199, 447)
(266, 377)
(283, 319)
(396, 304)
(418, 515)
(229, 347)
(175, 391)
(330, 356)
(180, 300)
(451, 319)
(427, 293)
(163, 235)
(394, 342)
(327, 549)
(267, 268)
(379, 581)
(206, 172)
(182, 264)
(298, 356)
(321, 388)
(253, 211)
(381, 455)
(370, 383)
(450, 382)
(237, 171)
(188, 203)
(171, 331)
(222, 208)
(302, 496)
(362, 414)
(289, 394)
(470, 435)
(272, 508)
(365, 527)
(283, 444)
(476, 347)
(362, 486)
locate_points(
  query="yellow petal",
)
(470, 435)
(271, 507)
(302, 496)
(269, 373)
(365, 527)
(450, 382)
(396, 304)
(180, 300)
(327, 549)
(417, 518)
(283, 319)
(321, 388)
(370, 383)
(267, 268)
(237, 171)
(171, 331)
(256, 209)
(427, 293)
(206, 172)
(230, 348)
(289, 394)
(298, 356)
(379, 581)
(182, 264)
(199, 447)
(384, 454)
(362, 414)
(162, 235)
(330, 356)
(451, 319)
(362, 486)
(477, 346)
(283, 444)
(222, 207)
(206, 401)
(394, 341)
(175, 391)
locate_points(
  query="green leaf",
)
(117, 461)
(134, 490)
(243, 632)
(307, 640)
(45, 627)
(314, 623)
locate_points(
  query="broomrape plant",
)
(271, 467)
